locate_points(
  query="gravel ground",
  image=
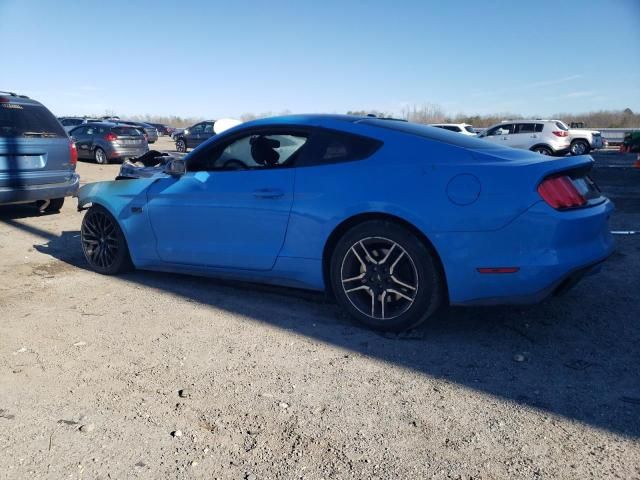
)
(153, 375)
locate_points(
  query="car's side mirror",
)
(176, 167)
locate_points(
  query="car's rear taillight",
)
(560, 193)
(73, 151)
(111, 137)
(560, 133)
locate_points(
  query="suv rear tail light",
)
(111, 137)
(73, 151)
(560, 193)
(560, 133)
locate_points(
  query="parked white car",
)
(463, 128)
(547, 137)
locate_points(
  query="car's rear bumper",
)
(128, 152)
(550, 249)
(34, 193)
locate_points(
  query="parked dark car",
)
(150, 131)
(162, 128)
(103, 141)
(193, 136)
(37, 159)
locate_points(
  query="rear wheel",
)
(580, 147)
(385, 277)
(101, 156)
(543, 150)
(181, 145)
(103, 242)
(50, 206)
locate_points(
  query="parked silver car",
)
(103, 142)
(69, 123)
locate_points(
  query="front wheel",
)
(103, 242)
(385, 277)
(181, 145)
(580, 147)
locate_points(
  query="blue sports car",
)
(391, 218)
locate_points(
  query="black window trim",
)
(226, 140)
(302, 159)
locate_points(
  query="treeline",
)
(431, 113)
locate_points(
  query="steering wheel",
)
(234, 164)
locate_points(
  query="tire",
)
(50, 206)
(542, 150)
(100, 156)
(580, 147)
(385, 277)
(181, 145)
(103, 243)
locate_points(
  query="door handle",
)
(268, 193)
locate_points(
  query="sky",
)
(218, 59)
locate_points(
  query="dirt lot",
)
(153, 375)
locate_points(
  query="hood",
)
(578, 131)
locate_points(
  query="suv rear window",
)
(561, 126)
(432, 133)
(126, 131)
(19, 120)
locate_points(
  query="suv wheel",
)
(50, 206)
(100, 156)
(181, 145)
(385, 277)
(580, 147)
(543, 150)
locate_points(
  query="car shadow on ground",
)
(574, 356)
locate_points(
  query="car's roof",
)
(315, 119)
(450, 124)
(529, 120)
(13, 97)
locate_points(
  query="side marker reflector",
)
(499, 269)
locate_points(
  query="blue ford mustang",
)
(392, 219)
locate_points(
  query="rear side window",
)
(539, 127)
(334, 147)
(126, 131)
(17, 120)
(525, 128)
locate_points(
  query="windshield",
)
(469, 129)
(19, 120)
(126, 131)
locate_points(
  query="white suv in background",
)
(548, 137)
(463, 128)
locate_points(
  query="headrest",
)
(263, 150)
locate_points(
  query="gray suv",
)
(37, 158)
(104, 141)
